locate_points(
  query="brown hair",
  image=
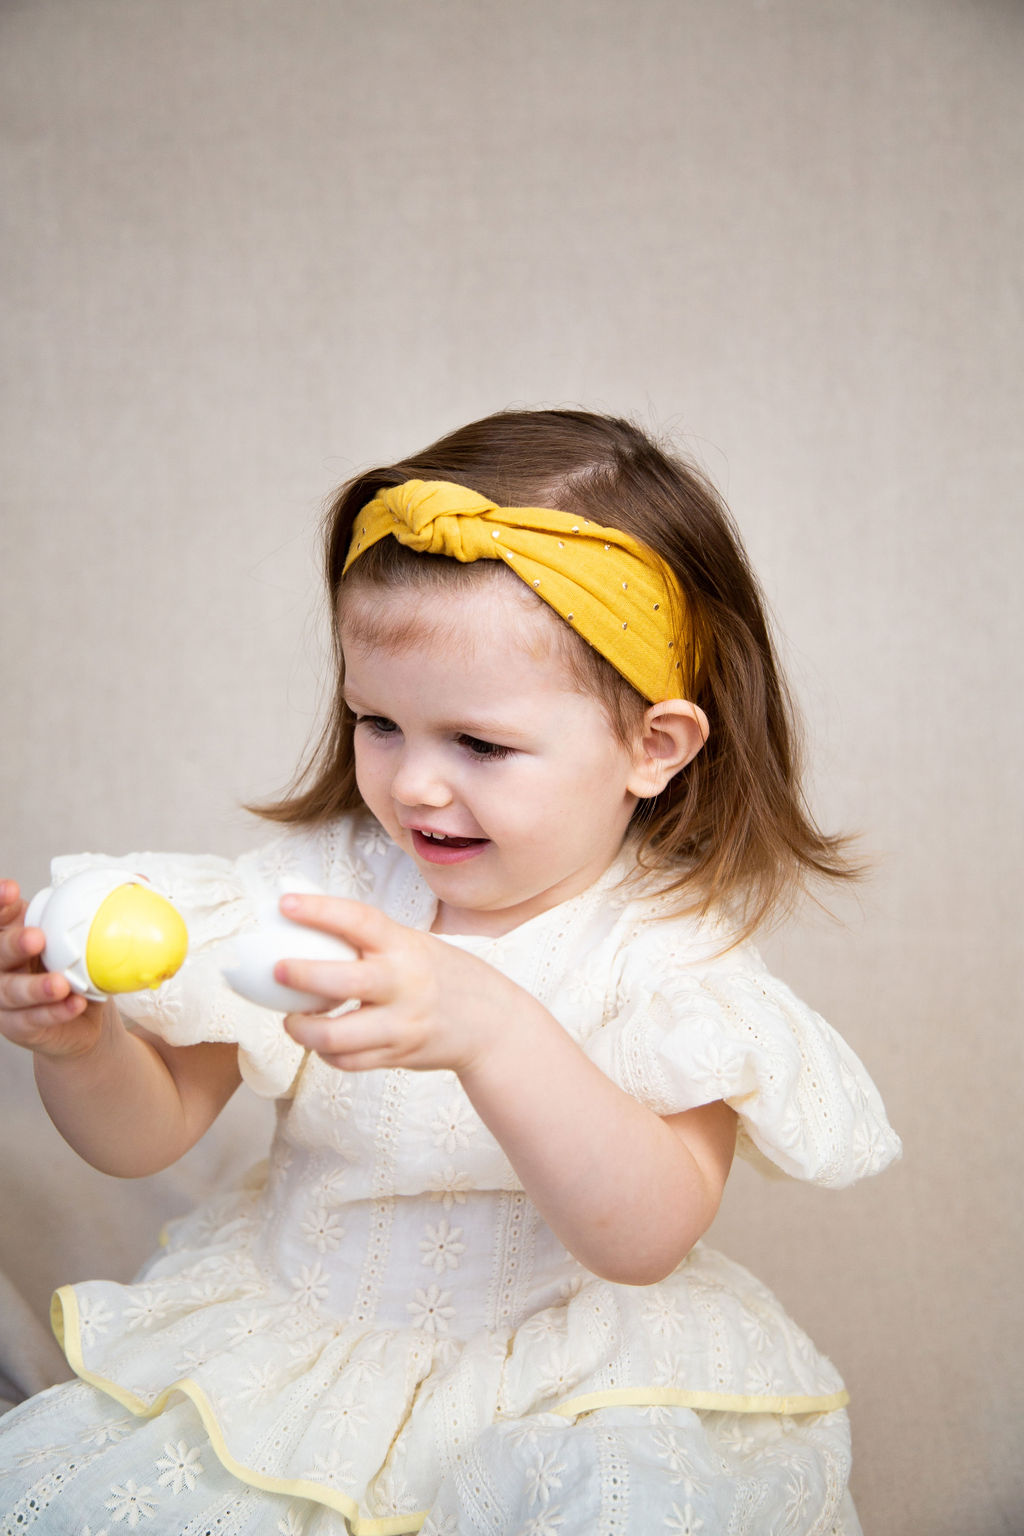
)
(731, 830)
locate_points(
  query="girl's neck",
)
(468, 923)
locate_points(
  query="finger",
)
(348, 981)
(29, 1027)
(20, 947)
(360, 1061)
(33, 989)
(369, 1029)
(10, 900)
(365, 928)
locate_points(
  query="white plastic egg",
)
(248, 961)
(108, 932)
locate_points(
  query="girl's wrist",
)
(515, 1031)
(87, 1050)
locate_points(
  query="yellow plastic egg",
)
(109, 932)
(137, 939)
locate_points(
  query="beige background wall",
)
(252, 244)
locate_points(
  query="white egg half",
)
(248, 961)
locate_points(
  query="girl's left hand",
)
(425, 1004)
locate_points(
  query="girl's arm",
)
(127, 1102)
(134, 1104)
(627, 1191)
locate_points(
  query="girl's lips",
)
(454, 851)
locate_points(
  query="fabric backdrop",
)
(252, 245)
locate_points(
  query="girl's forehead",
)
(477, 616)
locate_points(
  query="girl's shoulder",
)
(699, 1019)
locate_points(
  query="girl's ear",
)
(673, 733)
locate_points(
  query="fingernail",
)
(289, 903)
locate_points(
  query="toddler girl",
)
(467, 1293)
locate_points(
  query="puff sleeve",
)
(686, 1035)
(218, 899)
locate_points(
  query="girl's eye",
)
(485, 749)
(377, 725)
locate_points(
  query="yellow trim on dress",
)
(714, 1402)
(66, 1324)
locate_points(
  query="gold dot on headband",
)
(626, 607)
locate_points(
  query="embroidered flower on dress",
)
(394, 1492)
(431, 1309)
(322, 1229)
(759, 1380)
(131, 1503)
(441, 1248)
(543, 1478)
(556, 1376)
(179, 1467)
(756, 1330)
(146, 1308)
(672, 1452)
(258, 1386)
(352, 874)
(94, 1317)
(361, 1370)
(522, 1434)
(450, 1186)
(548, 1523)
(192, 1360)
(38, 1453)
(664, 1315)
(249, 1325)
(344, 1417)
(448, 1525)
(310, 1286)
(373, 839)
(683, 1522)
(107, 1434)
(330, 1187)
(328, 1467)
(735, 1434)
(454, 1126)
(798, 1491)
(334, 1090)
(544, 1325)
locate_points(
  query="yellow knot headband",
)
(614, 591)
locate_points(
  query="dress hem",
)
(66, 1324)
(64, 1319)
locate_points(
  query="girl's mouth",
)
(446, 850)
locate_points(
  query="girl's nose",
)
(419, 780)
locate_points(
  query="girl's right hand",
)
(38, 1008)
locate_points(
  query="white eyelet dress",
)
(378, 1334)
